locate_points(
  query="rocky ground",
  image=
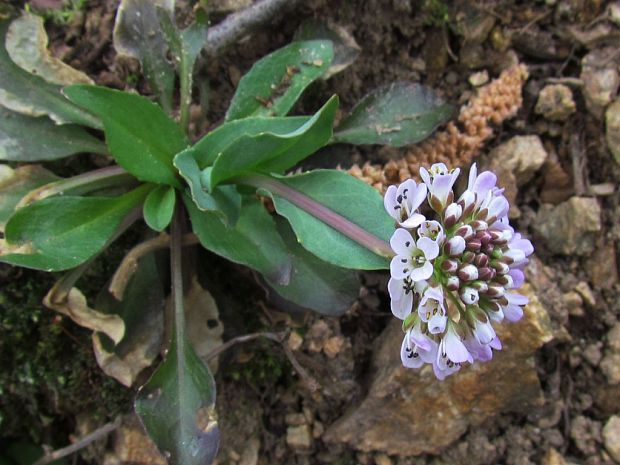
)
(552, 396)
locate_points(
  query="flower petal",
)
(390, 204)
(413, 221)
(402, 243)
(408, 355)
(429, 247)
(455, 349)
(423, 272)
(401, 267)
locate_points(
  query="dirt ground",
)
(267, 414)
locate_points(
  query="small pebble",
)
(611, 437)
(479, 79)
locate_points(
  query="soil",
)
(260, 396)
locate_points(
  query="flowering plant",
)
(453, 276)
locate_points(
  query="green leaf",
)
(138, 34)
(210, 146)
(315, 284)
(252, 242)
(15, 184)
(26, 93)
(140, 136)
(176, 407)
(346, 49)
(347, 196)
(159, 207)
(274, 83)
(59, 233)
(27, 139)
(268, 152)
(396, 114)
(224, 200)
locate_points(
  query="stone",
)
(574, 303)
(334, 345)
(602, 266)
(599, 73)
(586, 434)
(294, 341)
(410, 412)
(584, 290)
(382, 459)
(570, 227)
(299, 437)
(612, 129)
(249, 455)
(613, 338)
(611, 437)
(610, 366)
(555, 102)
(553, 457)
(515, 162)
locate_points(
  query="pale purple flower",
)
(403, 201)
(433, 230)
(452, 284)
(432, 310)
(439, 181)
(413, 259)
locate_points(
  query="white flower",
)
(433, 230)
(439, 182)
(402, 202)
(413, 259)
(432, 310)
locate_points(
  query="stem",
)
(320, 211)
(237, 25)
(176, 276)
(185, 84)
(99, 433)
(112, 176)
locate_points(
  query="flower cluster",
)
(453, 276)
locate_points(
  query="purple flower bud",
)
(484, 237)
(473, 245)
(480, 286)
(453, 283)
(500, 267)
(487, 248)
(486, 274)
(481, 260)
(455, 246)
(450, 266)
(452, 214)
(465, 231)
(505, 280)
(468, 202)
(468, 273)
(468, 257)
(479, 225)
(469, 295)
(495, 290)
(498, 238)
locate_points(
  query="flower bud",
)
(474, 245)
(486, 274)
(450, 266)
(498, 238)
(453, 283)
(479, 225)
(435, 204)
(452, 215)
(505, 280)
(468, 273)
(468, 257)
(455, 246)
(495, 290)
(480, 286)
(482, 214)
(500, 267)
(465, 231)
(497, 253)
(481, 260)
(469, 295)
(484, 237)
(487, 248)
(468, 202)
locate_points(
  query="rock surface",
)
(570, 227)
(611, 437)
(409, 412)
(599, 72)
(515, 162)
(555, 102)
(612, 124)
(610, 365)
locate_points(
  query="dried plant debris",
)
(461, 140)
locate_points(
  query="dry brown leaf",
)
(74, 306)
(26, 44)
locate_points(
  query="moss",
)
(48, 373)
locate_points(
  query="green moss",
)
(437, 11)
(48, 373)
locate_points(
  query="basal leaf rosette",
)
(454, 276)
